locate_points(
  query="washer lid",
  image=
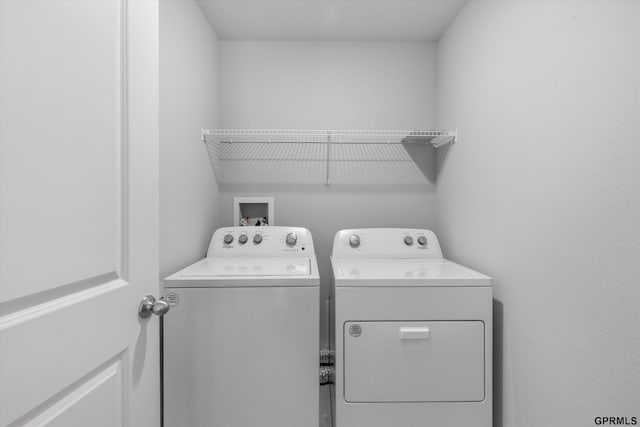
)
(246, 273)
(226, 267)
(404, 272)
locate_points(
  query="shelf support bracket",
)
(328, 157)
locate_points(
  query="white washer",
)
(241, 342)
(413, 333)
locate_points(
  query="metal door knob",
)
(149, 306)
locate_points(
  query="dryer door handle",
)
(414, 333)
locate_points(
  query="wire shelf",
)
(284, 156)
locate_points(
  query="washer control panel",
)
(270, 241)
(386, 243)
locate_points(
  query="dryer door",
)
(431, 361)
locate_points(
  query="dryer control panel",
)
(261, 241)
(386, 243)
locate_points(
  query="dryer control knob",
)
(354, 241)
(291, 239)
(422, 240)
(257, 239)
(243, 239)
(408, 240)
(228, 239)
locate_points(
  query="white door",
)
(78, 212)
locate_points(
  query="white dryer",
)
(241, 343)
(413, 333)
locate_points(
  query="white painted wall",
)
(189, 196)
(334, 85)
(543, 193)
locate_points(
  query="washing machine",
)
(241, 345)
(413, 333)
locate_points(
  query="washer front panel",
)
(242, 357)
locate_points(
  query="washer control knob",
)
(243, 239)
(408, 240)
(257, 239)
(354, 241)
(291, 239)
(228, 239)
(422, 240)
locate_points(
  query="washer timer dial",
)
(291, 239)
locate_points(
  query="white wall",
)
(332, 85)
(543, 193)
(189, 197)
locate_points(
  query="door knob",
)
(149, 306)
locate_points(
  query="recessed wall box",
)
(253, 211)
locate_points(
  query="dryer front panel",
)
(414, 361)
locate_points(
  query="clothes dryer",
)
(413, 333)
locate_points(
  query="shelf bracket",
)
(444, 140)
(326, 182)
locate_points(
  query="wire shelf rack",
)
(284, 156)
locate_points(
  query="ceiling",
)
(330, 19)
